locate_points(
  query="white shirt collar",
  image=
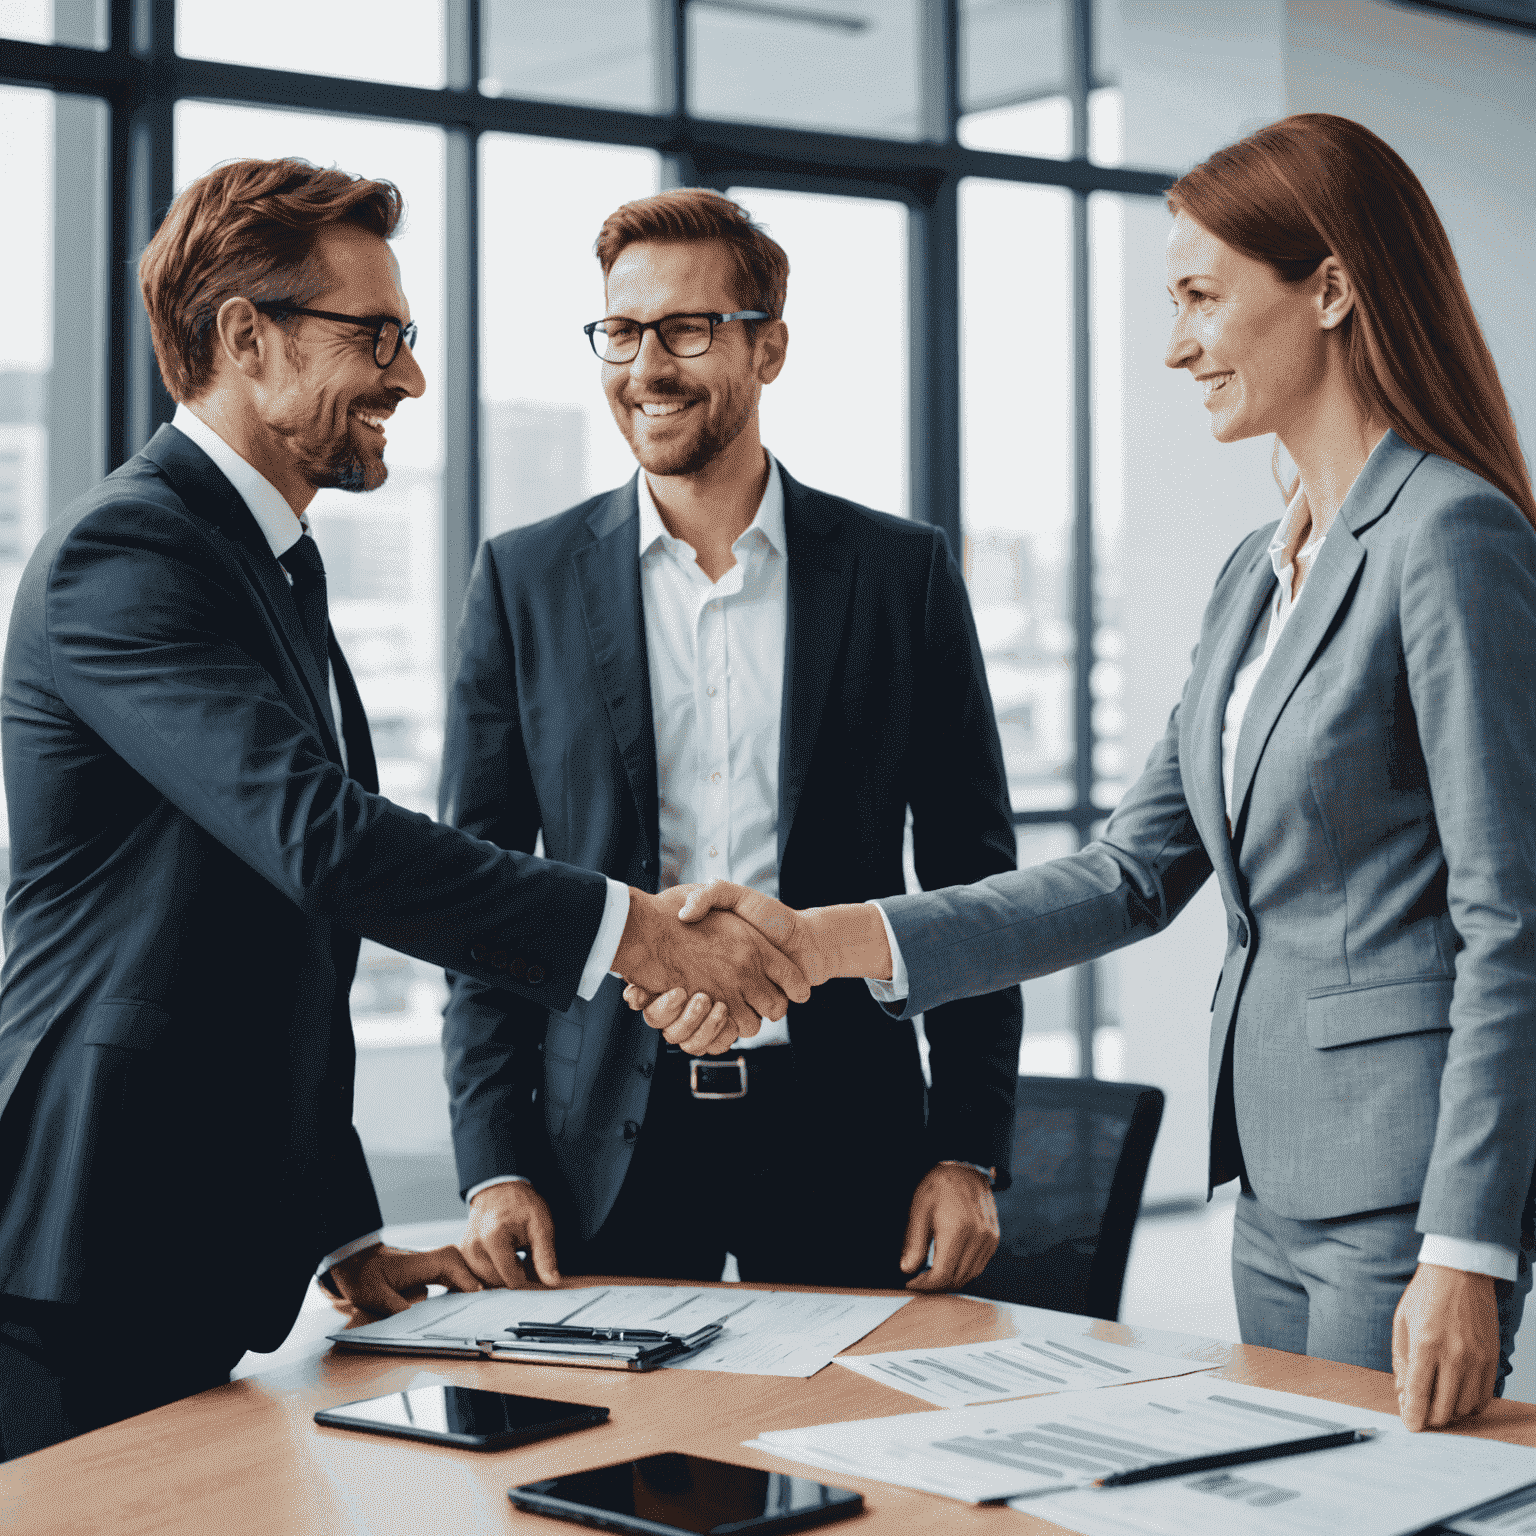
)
(768, 521)
(1294, 513)
(263, 500)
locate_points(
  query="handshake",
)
(707, 963)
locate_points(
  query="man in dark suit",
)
(716, 669)
(196, 845)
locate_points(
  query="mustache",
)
(376, 403)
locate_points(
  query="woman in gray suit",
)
(1353, 758)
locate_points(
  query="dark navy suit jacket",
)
(885, 706)
(191, 868)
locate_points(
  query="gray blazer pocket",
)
(123, 1022)
(1352, 1015)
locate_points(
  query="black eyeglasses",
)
(616, 340)
(388, 333)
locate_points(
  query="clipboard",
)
(609, 1349)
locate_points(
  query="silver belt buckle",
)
(695, 1066)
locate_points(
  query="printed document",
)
(1040, 1453)
(1054, 1361)
(766, 1333)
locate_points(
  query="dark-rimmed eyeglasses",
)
(617, 340)
(388, 333)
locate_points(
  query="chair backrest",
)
(1080, 1154)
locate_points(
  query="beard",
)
(717, 428)
(337, 461)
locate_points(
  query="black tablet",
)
(467, 1416)
(676, 1495)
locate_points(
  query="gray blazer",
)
(1379, 985)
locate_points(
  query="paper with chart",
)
(1054, 1361)
(1039, 1452)
(1512, 1515)
(767, 1333)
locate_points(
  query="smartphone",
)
(689, 1496)
(482, 1421)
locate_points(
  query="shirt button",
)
(710, 690)
(714, 778)
(714, 852)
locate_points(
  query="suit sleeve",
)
(492, 1037)
(143, 614)
(963, 940)
(962, 830)
(1468, 615)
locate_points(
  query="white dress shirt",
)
(1450, 1252)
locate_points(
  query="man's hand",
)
(823, 942)
(1445, 1346)
(502, 1219)
(719, 955)
(382, 1279)
(954, 1210)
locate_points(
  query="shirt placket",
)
(715, 739)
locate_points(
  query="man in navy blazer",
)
(714, 668)
(197, 842)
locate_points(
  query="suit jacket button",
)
(479, 953)
(631, 1129)
(645, 1068)
(517, 967)
(535, 975)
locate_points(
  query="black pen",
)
(578, 1331)
(1233, 1458)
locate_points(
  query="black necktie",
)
(304, 565)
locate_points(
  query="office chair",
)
(1080, 1155)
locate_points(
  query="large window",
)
(946, 175)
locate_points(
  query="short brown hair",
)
(245, 230)
(1314, 185)
(694, 214)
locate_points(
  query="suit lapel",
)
(821, 564)
(1323, 595)
(202, 486)
(1208, 796)
(608, 580)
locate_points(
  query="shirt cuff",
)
(606, 945)
(501, 1178)
(1466, 1254)
(347, 1250)
(894, 990)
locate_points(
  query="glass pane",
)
(851, 66)
(78, 23)
(610, 58)
(547, 438)
(52, 367)
(383, 550)
(837, 415)
(1013, 77)
(1106, 244)
(400, 41)
(1016, 471)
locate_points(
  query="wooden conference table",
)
(248, 1457)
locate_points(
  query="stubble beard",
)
(691, 456)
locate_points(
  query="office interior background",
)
(970, 195)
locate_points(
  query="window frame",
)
(141, 78)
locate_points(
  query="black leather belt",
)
(728, 1077)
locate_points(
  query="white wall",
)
(1455, 99)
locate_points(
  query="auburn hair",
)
(1314, 185)
(693, 214)
(245, 230)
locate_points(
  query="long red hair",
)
(1314, 185)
